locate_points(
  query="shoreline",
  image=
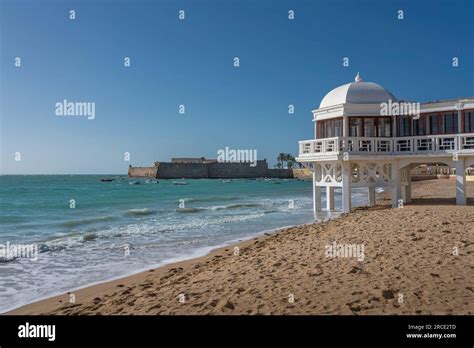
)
(156, 232)
(196, 254)
(291, 260)
(159, 268)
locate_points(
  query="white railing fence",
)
(433, 144)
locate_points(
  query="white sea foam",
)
(140, 212)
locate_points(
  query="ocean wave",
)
(7, 258)
(270, 211)
(45, 247)
(145, 229)
(86, 221)
(236, 206)
(209, 199)
(88, 237)
(153, 227)
(189, 210)
(139, 212)
(210, 221)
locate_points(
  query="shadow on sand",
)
(438, 201)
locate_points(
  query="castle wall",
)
(169, 170)
(182, 170)
(238, 170)
(303, 173)
(280, 173)
(142, 172)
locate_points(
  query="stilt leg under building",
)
(329, 198)
(371, 192)
(346, 188)
(460, 182)
(316, 196)
(408, 187)
(396, 184)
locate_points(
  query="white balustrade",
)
(467, 142)
(432, 144)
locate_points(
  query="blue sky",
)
(190, 62)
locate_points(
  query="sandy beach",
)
(418, 259)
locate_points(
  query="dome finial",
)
(358, 78)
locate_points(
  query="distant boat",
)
(106, 180)
(180, 183)
(134, 183)
(227, 181)
(148, 181)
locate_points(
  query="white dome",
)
(358, 92)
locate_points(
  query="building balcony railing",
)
(415, 145)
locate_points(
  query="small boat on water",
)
(227, 181)
(134, 183)
(106, 180)
(148, 181)
(180, 183)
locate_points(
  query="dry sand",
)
(408, 268)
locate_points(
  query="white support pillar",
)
(371, 196)
(345, 126)
(406, 187)
(396, 184)
(346, 187)
(329, 198)
(394, 126)
(460, 182)
(316, 196)
(460, 130)
(407, 198)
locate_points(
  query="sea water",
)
(87, 231)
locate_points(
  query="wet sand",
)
(418, 259)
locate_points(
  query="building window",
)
(468, 122)
(329, 128)
(419, 126)
(338, 128)
(355, 127)
(384, 126)
(442, 123)
(369, 127)
(433, 124)
(404, 123)
(450, 121)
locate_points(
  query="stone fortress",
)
(202, 168)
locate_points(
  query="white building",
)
(365, 137)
